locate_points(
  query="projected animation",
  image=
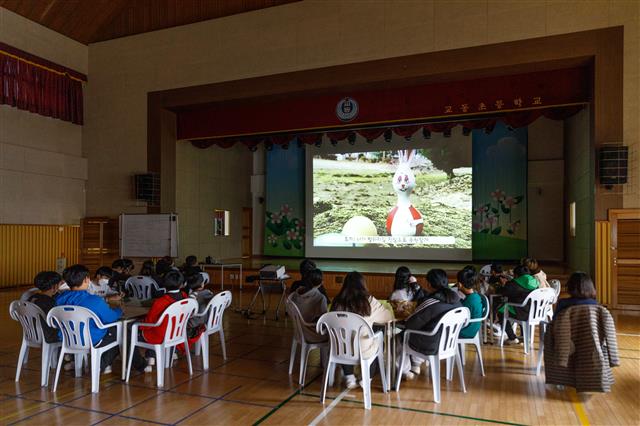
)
(391, 199)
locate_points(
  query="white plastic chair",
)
(345, 330)
(299, 339)
(31, 316)
(24, 297)
(205, 277)
(556, 286)
(73, 322)
(539, 301)
(213, 312)
(449, 325)
(176, 317)
(140, 287)
(475, 340)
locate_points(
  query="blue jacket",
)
(95, 304)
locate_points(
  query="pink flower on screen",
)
(286, 210)
(292, 235)
(276, 217)
(490, 220)
(272, 239)
(477, 226)
(509, 201)
(498, 195)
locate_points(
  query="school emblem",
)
(347, 109)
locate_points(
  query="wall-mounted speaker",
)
(613, 162)
(147, 188)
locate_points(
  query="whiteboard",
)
(148, 235)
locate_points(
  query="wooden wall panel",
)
(603, 261)
(629, 284)
(29, 249)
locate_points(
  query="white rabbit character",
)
(404, 220)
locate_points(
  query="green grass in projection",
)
(344, 189)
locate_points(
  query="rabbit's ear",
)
(401, 156)
(410, 155)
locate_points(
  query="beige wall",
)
(306, 35)
(42, 172)
(208, 179)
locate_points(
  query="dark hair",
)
(128, 263)
(162, 267)
(353, 296)
(104, 271)
(173, 280)
(306, 266)
(194, 281)
(401, 281)
(467, 277)
(147, 268)
(118, 263)
(312, 279)
(580, 286)
(438, 280)
(168, 259)
(46, 280)
(520, 270)
(496, 267)
(530, 263)
(191, 261)
(75, 275)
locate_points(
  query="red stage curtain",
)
(339, 135)
(35, 85)
(371, 134)
(310, 138)
(406, 131)
(514, 119)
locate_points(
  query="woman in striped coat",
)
(580, 346)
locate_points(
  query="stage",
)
(378, 273)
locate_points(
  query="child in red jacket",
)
(173, 280)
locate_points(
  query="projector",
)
(272, 272)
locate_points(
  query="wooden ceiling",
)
(90, 21)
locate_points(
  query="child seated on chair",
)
(306, 266)
(100, 284)
(406, 293)
(466, 285)
(77, 277)
(536, 271)
(47, 282)
(354, 297)
(120, 276)
(190, 266)
(173, 281)
(516, 291)
(311, 303)
(195, 285)
(440, 300)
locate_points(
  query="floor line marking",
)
(579, 408)
(328, 409)
(282, 404)
(417, 410)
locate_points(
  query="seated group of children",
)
(76, 288)
(419, 307)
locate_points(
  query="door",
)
(625, 257)
(247, 231)
(98, 242)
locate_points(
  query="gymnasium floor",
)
(253, 387)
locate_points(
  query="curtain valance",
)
(36, 85)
